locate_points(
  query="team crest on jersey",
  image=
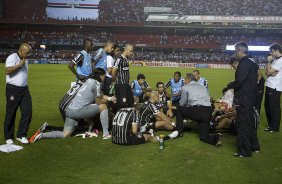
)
(12, 98)
(123, 99)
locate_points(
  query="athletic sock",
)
(52, 135)
(54, 128)
(104, 118)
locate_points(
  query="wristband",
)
(110, 99)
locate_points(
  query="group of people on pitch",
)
(138, 111)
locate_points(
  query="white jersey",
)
(110, 64)
(20, 77)
(276, 81)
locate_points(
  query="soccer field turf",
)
(93, 160)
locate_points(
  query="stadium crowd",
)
(177, 47)
(146, 39)
(132, 11)
(146, 56)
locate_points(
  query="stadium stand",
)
(152, 44)
(203, 41)
(132, 11)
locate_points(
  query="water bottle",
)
(161, 142)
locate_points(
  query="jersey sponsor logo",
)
(98, 89)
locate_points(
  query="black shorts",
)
(124, 96)
(133, 140)
(107, 85)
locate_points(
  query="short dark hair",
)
(86, 40)
(190, 76)
(224, 90)
(177, 72)
(97, 74)
(109, 42)
(158, 83)
(197, 71)
(276, 47)
(243, 46)
(233, 60)
(141, 76)
(116, 46)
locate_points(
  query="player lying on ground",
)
(125, 129)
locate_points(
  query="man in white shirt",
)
(17, 95)
(273, 88)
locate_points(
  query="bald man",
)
(17, 95)
(121, 77)
(152, 118)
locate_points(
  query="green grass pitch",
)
(77, 160)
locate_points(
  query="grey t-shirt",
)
(193, 94)
(90, 90)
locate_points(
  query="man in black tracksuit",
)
(245, 99)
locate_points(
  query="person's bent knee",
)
(149, 138)
(67, 133)
(102, 107)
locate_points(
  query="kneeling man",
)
(81, 107)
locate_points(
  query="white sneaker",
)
(23, 140)
(151, 131)
(43, 126)
(174, 134)
(107, 136)
(9, 141)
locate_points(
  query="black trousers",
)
(17, 97)
(272, 108)
(107, 85)
(259, 99)
(124, 96)
(202, 115)
(246, 125)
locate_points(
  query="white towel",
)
(7, 148)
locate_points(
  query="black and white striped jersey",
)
(122, 125)
(148, 112)
(162, 104)
(122, 64)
